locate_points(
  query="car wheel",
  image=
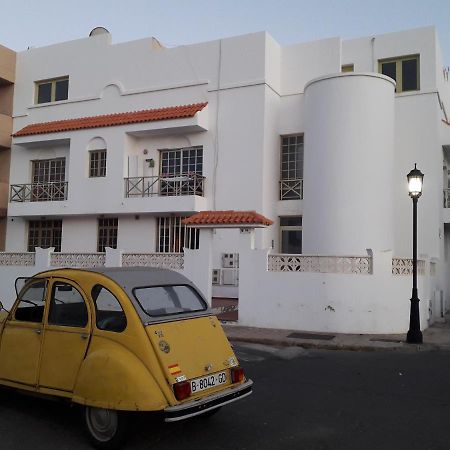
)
(106, 427)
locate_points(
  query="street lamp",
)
(415, 183)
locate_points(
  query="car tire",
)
(106, 428)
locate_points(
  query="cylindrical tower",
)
(348, 167)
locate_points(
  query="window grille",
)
(291, 167)
(48, 179)
(44, 234)
(107, 233)
(97, 163)
(173, 236)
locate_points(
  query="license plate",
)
(208, 382)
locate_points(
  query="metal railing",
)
(39, 192)
(165, 185)
(291, 189)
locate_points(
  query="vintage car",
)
(116, 340)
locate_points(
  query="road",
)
(302, 400)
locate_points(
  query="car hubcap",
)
(102, 423)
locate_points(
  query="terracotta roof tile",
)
(110, 120)
(227, 218)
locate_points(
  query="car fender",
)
(112, 377)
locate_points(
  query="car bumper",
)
(213, 401)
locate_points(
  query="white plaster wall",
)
(349, 142)
(137, 235)
(16, 235)
(302, 62)
(417, 140)
(79, 234)
(373, 304)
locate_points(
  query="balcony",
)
(39, 192)
(291, 189)
(165, 186)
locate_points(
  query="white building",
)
(115, 143)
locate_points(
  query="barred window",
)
(107, 233)
(97, 163)
(182, 161)
(44, 234)
(291, 167)
(173, 236)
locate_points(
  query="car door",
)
(67, 330)
(20, 345)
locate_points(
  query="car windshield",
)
(159, 301)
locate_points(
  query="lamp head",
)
(415, 182)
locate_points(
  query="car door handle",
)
(84, 336)
(38, 331)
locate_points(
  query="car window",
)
(108, 311)
(67, 306)
(165, 300)
(32, 302)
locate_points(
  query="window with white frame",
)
(173, 236)
(291, 234)
(97, 163)
(44, 234)
(107, 233)
(291, 167)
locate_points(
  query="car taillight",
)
(182, 390)
(237, 374)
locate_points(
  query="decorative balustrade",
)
(446, 198)
(17, 259)
(173, 261)
(291, 189)
(165, 185)
(404, 266)
(39, 192)
(81, 260)
(361, 265)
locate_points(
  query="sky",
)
(28, 23)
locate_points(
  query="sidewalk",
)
(436, 337)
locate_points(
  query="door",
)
(66, 336)
(22, 335)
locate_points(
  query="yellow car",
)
(117, 340)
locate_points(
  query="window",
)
(107, 233)
(173, 235)
(165, 300)
(97, 163)
(48, 180)
(44, 234)
(32, 302)
(181, 171)
(67, 306)
(348, 68)
(291, 234)
(108, 311)
(291, 167)
(52, 90)
(404, 70)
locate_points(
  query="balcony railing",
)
(39, 192)
(446, 198)
(165, 185)
(291, 189)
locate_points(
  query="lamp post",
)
(415, 183)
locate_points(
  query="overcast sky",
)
(32, 23)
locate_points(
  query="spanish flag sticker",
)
(174, 369)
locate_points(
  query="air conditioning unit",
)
(230, 260)
(230, 277)
(216, 278)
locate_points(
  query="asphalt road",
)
(302, 400)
